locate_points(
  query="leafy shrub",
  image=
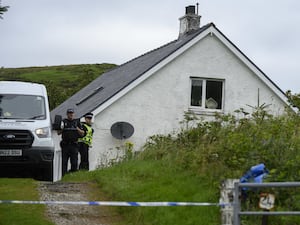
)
(228, 146)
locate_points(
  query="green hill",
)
(61, 81)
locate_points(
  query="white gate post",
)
(227, 194)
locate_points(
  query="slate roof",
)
(110, 83)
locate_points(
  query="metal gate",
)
(237, 212)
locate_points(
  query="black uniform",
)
(69, 144)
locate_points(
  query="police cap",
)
(89, 115)
(70, 111)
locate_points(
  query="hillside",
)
(61, 81)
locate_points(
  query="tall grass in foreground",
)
(18, 214)
(148, 181)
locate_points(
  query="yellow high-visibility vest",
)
(88, 138)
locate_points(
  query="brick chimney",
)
(190, 21)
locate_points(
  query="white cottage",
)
(202, 72)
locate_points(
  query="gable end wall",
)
(157, 105)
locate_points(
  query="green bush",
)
(228, 146)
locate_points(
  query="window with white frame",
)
(207, 93)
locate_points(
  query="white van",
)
(25, 128)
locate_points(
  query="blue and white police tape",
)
(115, 203)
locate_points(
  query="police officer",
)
(86, 142)
(72, 130)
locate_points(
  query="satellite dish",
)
(121, 130)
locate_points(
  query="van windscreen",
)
(16, 106)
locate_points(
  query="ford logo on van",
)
(9, 137)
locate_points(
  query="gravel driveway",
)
(75, 214)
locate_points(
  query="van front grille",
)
(15, 139)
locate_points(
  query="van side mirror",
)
(57, 125)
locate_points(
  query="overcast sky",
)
(62, 32)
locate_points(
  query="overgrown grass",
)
(18, 214)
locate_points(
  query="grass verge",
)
(19, 214)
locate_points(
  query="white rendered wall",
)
(157, 105)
